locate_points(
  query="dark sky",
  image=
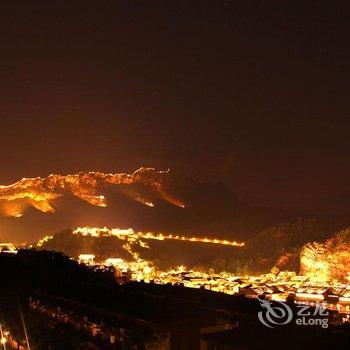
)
(254, 95)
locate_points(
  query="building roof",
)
(7, 247)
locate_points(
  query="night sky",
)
(250, 94)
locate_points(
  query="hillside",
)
(74, 245)
(147, 200)
(278, 247)
(330, 259)
(164, 254)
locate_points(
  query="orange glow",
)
(130, 234)
(326, 261)
(306, 289)
(43, 240)
(87, 259)
(163, 236)
(43, 193)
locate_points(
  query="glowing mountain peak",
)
(144, 185)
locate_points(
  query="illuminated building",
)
(87, 259)
(8, 248)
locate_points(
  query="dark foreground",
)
(51, 302)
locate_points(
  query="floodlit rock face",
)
(144, 186)
(328, 260)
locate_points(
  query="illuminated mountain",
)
(147, 200)
(144, 185)
(166, 250)
(280, 246)
(284, 247)
(328, 260)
